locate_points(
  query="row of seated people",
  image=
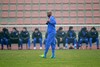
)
(84, 36)
(15, 36)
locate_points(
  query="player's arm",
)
(68, 35)
(8, 34)
(17, 36)
(52, 20)
(87, 35)
(90, 35)
(11, 35)
(96, 35)
(27, 36)
(74, 35)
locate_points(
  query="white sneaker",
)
(40, 47)
(34, 48)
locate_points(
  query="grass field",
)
(64, 58)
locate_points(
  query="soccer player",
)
(37, 38)
(51, 31)
(25, 37)
(83, 37)
(93, 37)
(5, 38)
(61, 37)
(14, 37)
(71, 38)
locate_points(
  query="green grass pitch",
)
(64, 58)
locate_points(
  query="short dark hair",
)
(14, 28)
(4, 29)
(60, 28)
(93, 28)
(36, 29)
(25, 28)
(84, 28)
(71, 27)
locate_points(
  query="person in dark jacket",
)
(14, 37)
(5, 38)
(93, 37)
(71, 38)
(25, 37)
(61, 37)
(83, 37)
(37, 38)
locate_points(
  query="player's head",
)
(84, 29)
(70, 28)
(60, 29)
(24, 29)
(36, 30)
(93, 29)
(4, 29)
(14, 29)
(49, 13)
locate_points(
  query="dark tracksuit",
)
(37, 38)
(25, 38)
(5, 39)
(82, 38)
(93, 37)
(71, 38)
(61, 34)
(14, 37)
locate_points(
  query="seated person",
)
(37, 38)
(83, 37)
(60, 36)
(14, 37)
(5, 38)
(93, 37)
(71, 38)
(25, 37)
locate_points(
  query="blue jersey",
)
(51, 25)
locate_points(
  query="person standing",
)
(51, 31)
